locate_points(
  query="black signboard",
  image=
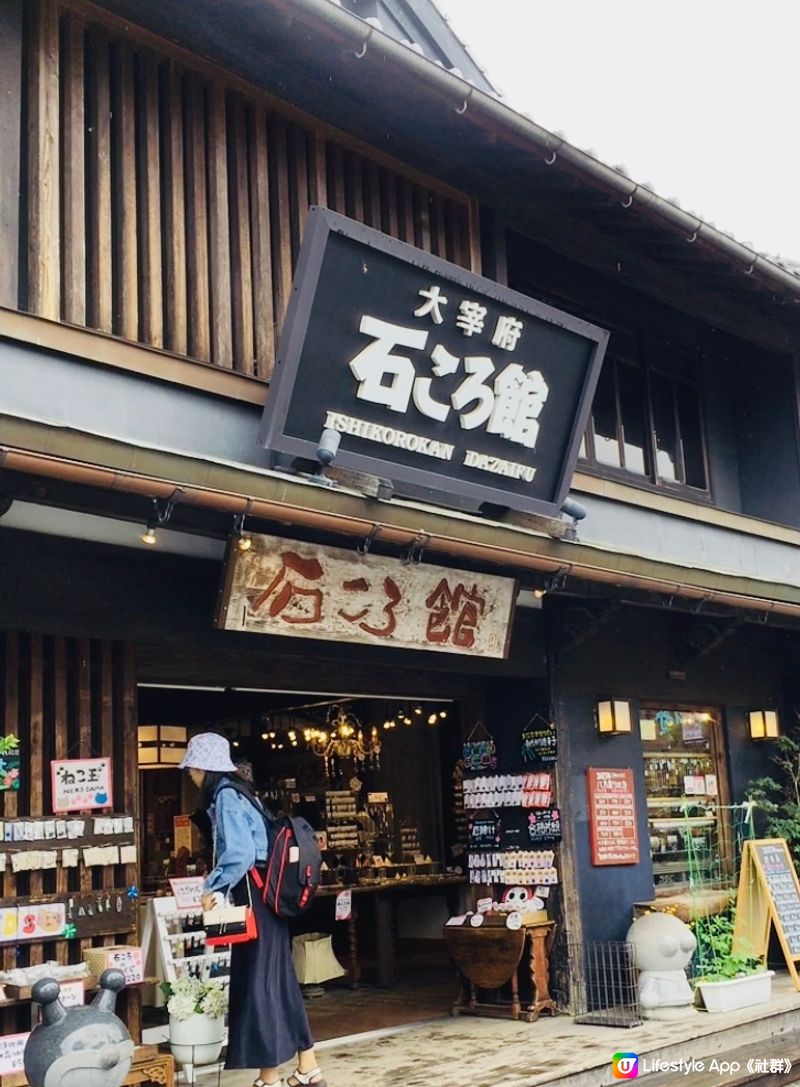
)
(485, 833)
(431, 375)
(538, 741)
(782, 884)
(544, 826)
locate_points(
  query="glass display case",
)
(686, 793)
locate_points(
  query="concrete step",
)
(747, 1066)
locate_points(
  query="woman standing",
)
(267, 1022)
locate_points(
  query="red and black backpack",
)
(294, 861)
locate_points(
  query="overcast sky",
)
(699, 97)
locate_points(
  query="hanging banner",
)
(81, 784)
(309, 591)
(612, 817)
(434, 377)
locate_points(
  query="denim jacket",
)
(240, 838)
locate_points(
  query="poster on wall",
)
(9, 763)
(612, 816)
(538, 741)
(81, 784)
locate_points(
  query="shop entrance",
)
(378, 779)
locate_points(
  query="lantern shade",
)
(614, 717)
(161, 747)
(764, 724)
(314, 960)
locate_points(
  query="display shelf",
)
(699, 753)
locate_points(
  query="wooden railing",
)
(166, 199)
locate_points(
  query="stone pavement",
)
(477, 1052)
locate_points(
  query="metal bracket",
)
(363, 548)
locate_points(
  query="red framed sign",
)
(612, 816)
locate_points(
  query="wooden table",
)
(490, 957)
(148, 1066)
(385, 895)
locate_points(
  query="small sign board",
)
(188, 892)
(433, 377)
(769, 895)
(612, 816)
(81, 784)
(129, 960)
(307, 590)
(12, 1049)
(344, 906)
(72, 994)
(544, 825)
(538, 741)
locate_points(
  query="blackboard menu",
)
(544, 825)
(782, 884)
(538, 741)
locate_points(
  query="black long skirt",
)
(267, 1022)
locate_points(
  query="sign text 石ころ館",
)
(432, 376)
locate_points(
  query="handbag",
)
(229, 924)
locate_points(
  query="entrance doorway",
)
(378, 779)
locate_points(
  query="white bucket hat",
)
(208, 751)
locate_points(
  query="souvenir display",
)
(508, 791)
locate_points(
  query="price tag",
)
(344, 905)
(188, 892)
(72, 993)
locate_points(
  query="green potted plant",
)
(727, 981)
(196, 1020)
(778, 798)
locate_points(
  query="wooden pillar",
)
(11, 142)
(44, 250)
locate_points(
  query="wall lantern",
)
(763, 724)
(614, 717)
(161, 747)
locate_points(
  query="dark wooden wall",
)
(65, 698)
(166, 199)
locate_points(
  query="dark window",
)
(648, 424)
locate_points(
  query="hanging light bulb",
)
(443, 714)
(418, 710)
(432, 719)
(406, 720)
(149, 535)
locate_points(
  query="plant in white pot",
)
(196, 1019)
(727, 981)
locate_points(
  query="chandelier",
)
(344, 739)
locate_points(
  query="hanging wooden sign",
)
(612, 816)
(769, 894)
(306, 590)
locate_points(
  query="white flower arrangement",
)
(190, 996)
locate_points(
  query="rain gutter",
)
(463, 97)
(272, 496)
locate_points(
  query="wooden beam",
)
(177, 317)
(11, 143)
(126, 278)
(241, 248)
(197, 224)
(100, 302)
(149, 202)
(73, 183)
(219, 230)
(264, 313)
(623, 266)
(44, 249)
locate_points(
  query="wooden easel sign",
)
(769, 894)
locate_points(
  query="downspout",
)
(463, 96)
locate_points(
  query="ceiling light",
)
(432, 719)
(149, 535)
(443, 714)
(418, 709)
(243, 541)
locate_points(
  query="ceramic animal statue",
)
(522, 899)
(86, 1046)
(663, 946)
